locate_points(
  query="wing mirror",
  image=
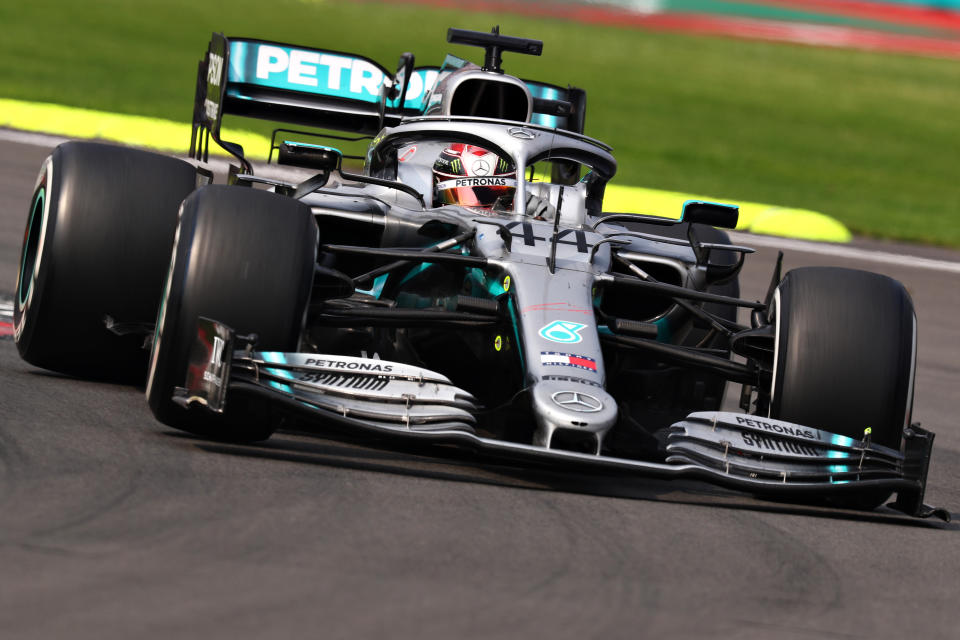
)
(311, 156)
(714, 214)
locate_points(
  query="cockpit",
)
(493, 166)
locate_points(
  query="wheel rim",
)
(161, 313)
(31, 247)
(774, 316)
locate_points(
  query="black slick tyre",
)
(97, 244)
(845, 355)
(245, 258)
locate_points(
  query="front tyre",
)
(845, 355)
(245, 258)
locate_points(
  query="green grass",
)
(871, 139)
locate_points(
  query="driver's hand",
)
(539, 209)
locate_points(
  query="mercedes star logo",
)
(576, 401)
(522, 133)
(481, 168)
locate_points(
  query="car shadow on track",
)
(452, 464)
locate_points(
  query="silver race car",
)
(466, 287)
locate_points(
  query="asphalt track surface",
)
(112, 525)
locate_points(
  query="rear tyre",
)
(243, 257)
(845, 356)
(97, 244)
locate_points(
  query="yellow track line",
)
(755, 217)
(170, 136)
(138, 131)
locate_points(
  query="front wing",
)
(740, 451)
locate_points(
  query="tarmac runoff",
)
(54, 121)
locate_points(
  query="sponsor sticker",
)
(774, 444)
(214, 69)
(210, 109)
(211, 373)
(553, 358)
(345, 380)
(320, 72)
(350, 365)
(208, 370)
(571, 379)
(476, 182)
(563, 331)
(785, 429)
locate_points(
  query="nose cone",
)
(573, 410)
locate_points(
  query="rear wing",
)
(328, 90)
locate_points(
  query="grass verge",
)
(870, 139)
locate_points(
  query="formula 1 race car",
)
(466, 287)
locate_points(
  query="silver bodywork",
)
(555, 363)
(551, 267)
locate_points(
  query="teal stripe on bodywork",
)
(377, 288)
(516, 335)
(278, 358)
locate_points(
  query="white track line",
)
(820, 248)
(844, 251)
(28, 137)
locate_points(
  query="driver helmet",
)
(475, 177)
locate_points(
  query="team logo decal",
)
(552, 358)
(563, 332)
(577, 401)
(522, 133)
(481, 168)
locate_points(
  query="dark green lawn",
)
(871, 139)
